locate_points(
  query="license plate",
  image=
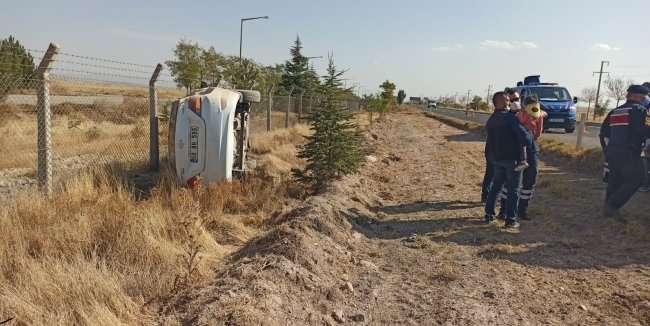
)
(194, 144)
(556, 120)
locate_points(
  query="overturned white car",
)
(208, 135)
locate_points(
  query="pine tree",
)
(296, 70)
(334, 149)
(16, 67)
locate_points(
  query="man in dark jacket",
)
(622, 138)
(505, 135)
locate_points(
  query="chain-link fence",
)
(61, 121)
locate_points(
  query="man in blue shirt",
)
(505, 136)
(622, 137)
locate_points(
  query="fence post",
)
(154, 151)
(286, 116)
(300, 107)
(581, 130)
(269, 110)
(44, 123)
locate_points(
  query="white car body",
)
(202, 145)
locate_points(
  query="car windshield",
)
(557, 94)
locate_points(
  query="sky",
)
(427, 48)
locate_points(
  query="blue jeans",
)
(504, 173)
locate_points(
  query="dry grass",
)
(71, 136)
(84, 87)
(585, 160)
(457, 123)
(92, 255)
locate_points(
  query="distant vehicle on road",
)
(556, 102)
(432, 105)
(208, 135)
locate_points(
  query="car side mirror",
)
(575, 100)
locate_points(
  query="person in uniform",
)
(622, 138)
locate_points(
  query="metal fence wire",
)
(61, 122)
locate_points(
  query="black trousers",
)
(528, 182)
(626, 176)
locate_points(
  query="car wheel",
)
(569, 130)
(250, 96)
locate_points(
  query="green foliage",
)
(334, 148)
(211, 63)
(388, 99)
(478, 104)
(297, 73)
(16, 66)
(270, 77)
(601, 108)
(186, 69)
(244, 75)
(401, 95)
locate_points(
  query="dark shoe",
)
(613, 213)
(512, 225)
(523, 215)
(489, 218)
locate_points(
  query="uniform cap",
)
(638, 89)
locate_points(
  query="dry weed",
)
(92, 254)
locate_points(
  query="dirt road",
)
(403, 243)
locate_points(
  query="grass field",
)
(95, 254)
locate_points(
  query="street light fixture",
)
(319, 57)
(241, 29)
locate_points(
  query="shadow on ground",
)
(466, 137)
(576, 244)
(423, 206)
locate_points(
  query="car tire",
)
(250, 96)
(570, 130)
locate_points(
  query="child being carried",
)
(531, 117)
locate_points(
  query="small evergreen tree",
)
(296, 71)
(401, 95)
(388, 99)
(334, 149)
(16, 66)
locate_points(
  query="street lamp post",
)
(241, 29)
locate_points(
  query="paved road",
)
(590, 138)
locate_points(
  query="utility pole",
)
(487, 99)
(600, 77)
(468, 91)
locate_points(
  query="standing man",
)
(504, 135)
(622, 137)
(529, 176)
(513, 107)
